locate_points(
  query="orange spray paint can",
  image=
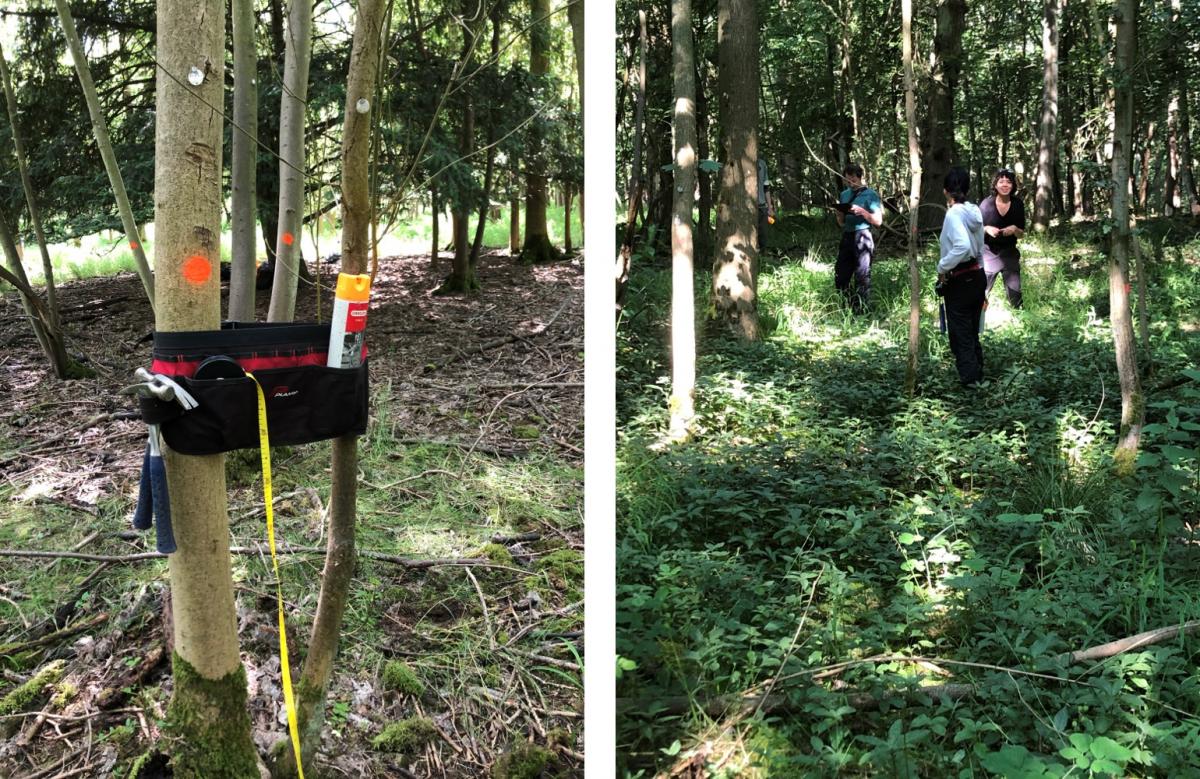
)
(349, 324)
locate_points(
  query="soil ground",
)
(475, 451)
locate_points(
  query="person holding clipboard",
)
(858, 209)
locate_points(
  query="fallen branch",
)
(1128, 644)
(52, 638)
(474, 562)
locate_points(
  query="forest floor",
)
(832, 578)
(466, 611)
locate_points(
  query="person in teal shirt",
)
(857, 247)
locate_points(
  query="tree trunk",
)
(356, 246)
(567, 198)
(735, 264)
(50, 339)
(683, 316)
(937, 140)
(537, 247)
(1143, 189)
(293, 98)
(1133, 409)
(575, 17)
(914, 199)
(462, 272)
(636, 173)
(1048, 140)
(703, 233)
(208, 707)
(489, 174)
(27, 185)
(514, 209)
(435, 206)
(100, 132)
(243, 268)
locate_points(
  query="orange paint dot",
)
(197, 269)
(133, 245)
(288, 239)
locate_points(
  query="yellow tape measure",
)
(264, 446)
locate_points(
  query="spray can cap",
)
(355, 288)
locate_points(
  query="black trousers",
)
(964, 304)
(854, 261)
(1006, 264)
(762, 228)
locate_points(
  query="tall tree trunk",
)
(1043, 204)
(735, 264)
(31, 202)
(1133, 408)
(567, 198)
(682, 405)
(208, 706)
(937, 140)
(489, 174)
(537, 247)
(100, 132)
(40, 319)
(356, 247)
(575, 17)
(462, 272)
(245, 153)
(1143, 189)
(293, 98)
(914, 199)
(703, 233)
(636, 172)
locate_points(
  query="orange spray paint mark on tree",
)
(197, 269)
(133, 245)
(288, 239)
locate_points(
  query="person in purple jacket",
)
(1003, 223)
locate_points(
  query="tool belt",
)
(305, 400)
(966, 266)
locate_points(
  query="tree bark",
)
(914, 199)
(51, 334)
(575, 18)
(1133, 409)
(293, 98)
(683, 317)
(356, 246)
(514, 208)
(735, 263)
(100, 132)
(703, 232)
(937, 139)
(435, 206)
(50, 339)
(537, 247)
(489, 174)
(1043, 204)
(244, 249)
(462, 272)
(208, 706)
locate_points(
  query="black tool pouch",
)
(305, 400)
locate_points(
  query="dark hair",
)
(957, 183)
(852, 169)
(1004, 173)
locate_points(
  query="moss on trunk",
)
(209, 725)
(538, 250)
(19, 699)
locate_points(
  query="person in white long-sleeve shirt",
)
(960, 276)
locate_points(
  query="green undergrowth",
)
(818, 518)
(413, 637)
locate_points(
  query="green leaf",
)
(1104, 748)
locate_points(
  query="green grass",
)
(819, 516)
(107, 253)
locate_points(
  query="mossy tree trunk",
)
(288, 256)
(1133, 404)
(242, 179)
(537, 247)
(356, 246)
(208, 714)
(100, 132)
(735, 261)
